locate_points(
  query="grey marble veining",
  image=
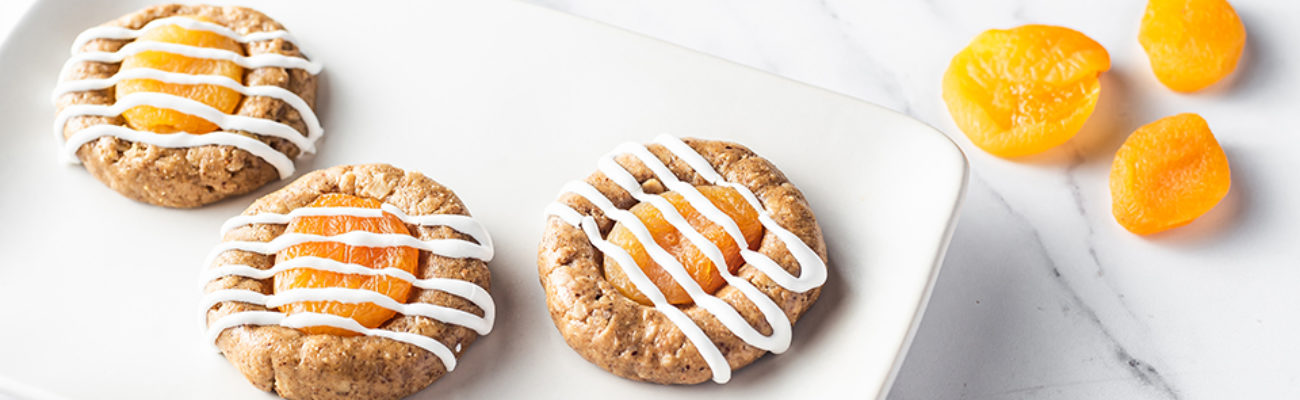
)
(1043, 295)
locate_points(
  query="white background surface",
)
(1043, 296)
(502, 102)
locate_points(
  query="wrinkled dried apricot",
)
(1166, 174)
(1191, 43)
(161, 120)
(728, 200)
(368, 314)
(1024, 90)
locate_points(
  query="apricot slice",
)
(1166, 174)
(704, 272)
(1191, 43)
(368, 314)
(161, 120)
(1024, 90)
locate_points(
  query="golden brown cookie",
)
(183, 105)
(305, 294)
(628, 254)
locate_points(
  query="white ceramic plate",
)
(502, 102)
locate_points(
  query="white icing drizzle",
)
(455, 248)
(122, 33)
(461, 223)
(469, 291)
(777, 342)
(314, 129)
(350, 296)
(281, 162)
(709, 351)
(250, 62)
(196, 108)
(564, 212)
(307, 319)
(185, 105)
(813, 272)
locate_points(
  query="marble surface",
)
(1043, 295)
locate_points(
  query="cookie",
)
(183, 105)
(353, 282)
(629, 259)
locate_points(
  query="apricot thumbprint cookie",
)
(183, 105)
(354, 282)
(680, 260)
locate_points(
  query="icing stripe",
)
(812, 270)
(249, 62)
(121, 33)
(454, 248)
(777, 342)
(688, 191)
(350, 296)
(447, 247)
(569, 215)
(259, 126)
(303, 320)
(460, 223)
(467, 290)
(281, 162)
(708, 350)
(775, 317)
(227, 122)
(314, 129)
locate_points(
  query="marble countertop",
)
(1042, 294)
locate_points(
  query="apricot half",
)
(162, 120)
(701, 269)
(1191, 43)
(1168, 173)
(1024, 90)
(368, 314)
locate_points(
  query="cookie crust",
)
(636, 341)
(301, 366)
(193, 176)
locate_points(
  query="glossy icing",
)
(481, 248)
(812, 269)
(228, 123)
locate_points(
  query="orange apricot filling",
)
(701, 269)
(1024, 90)
(368, 314)
(161, 120)
(1191, 43)
(1168, 173)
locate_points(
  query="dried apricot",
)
(368, 314)
(1024, 90)
(162, 120)
(1191, 43)
(728, 200)
(1166, 174)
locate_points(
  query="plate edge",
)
(935, 269)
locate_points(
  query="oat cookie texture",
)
(274, 320)
(184, 105)
(705, 335)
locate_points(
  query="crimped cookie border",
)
(135, 169)
(636, 341)
(301, 366)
